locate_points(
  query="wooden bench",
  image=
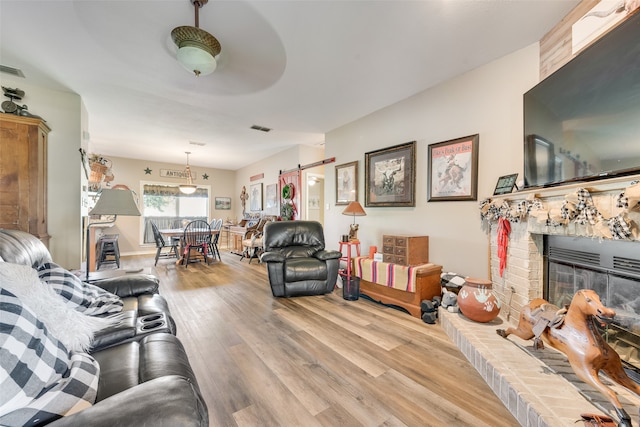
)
(427, 286)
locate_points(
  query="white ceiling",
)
(300, 67)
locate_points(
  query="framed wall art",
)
(390, 175)
(346, 183)
(271, 199)
(222, 203)
(453, 169)
(255, 197)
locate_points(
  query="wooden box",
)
(405, 250)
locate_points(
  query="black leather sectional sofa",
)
(145, 377)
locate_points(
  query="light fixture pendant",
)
(189, 187)
(197, 49)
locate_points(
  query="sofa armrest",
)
(130, 285)
(324, 255)
(166, 401)
(272, 257)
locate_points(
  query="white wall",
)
(64, 113)
(487, 101)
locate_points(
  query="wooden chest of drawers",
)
(405, 250)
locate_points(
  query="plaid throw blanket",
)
(40, 380)
(395, 276)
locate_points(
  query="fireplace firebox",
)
(612, 269)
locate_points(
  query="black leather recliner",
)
(296, 259)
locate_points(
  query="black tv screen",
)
(583, 122)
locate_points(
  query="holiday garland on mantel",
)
(577, 207)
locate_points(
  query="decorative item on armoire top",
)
(453, 169)
(10, 107)
(390, 175)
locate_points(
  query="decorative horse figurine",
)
(572, 331)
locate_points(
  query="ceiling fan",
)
(197, 49)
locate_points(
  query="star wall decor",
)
(205, 177)
(147, 171)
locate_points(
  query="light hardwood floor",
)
(315, 361)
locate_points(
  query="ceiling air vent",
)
(260, 128)
(10, 70)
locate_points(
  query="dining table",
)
(179, 232)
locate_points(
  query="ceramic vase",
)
(477, 301)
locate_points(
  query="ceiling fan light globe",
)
(197, 60)
(188, 188)
(197, 49)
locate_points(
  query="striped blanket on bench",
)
(395, 276)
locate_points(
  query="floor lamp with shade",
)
(110, 202)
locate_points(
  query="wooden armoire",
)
(23, 174)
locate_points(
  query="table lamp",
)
(355, 209)
(111, 202)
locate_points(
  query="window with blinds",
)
(165, 205)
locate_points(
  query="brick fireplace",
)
(523, 385)
(535, 395)
(523, 277)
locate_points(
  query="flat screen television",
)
(582, 123)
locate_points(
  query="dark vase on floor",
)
(477, 301)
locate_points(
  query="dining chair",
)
(197, 236)
(216, 225)
(162, 244)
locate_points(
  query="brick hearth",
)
(536, 396)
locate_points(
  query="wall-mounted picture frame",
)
(346, 183)
(390, 175)
(505, 184)
(255, 197)
(271, 199)
(453, 169)
(222, 203)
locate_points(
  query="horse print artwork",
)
(573, 332)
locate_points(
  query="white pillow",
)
(73, 328)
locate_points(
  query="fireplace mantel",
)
(522, 278)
